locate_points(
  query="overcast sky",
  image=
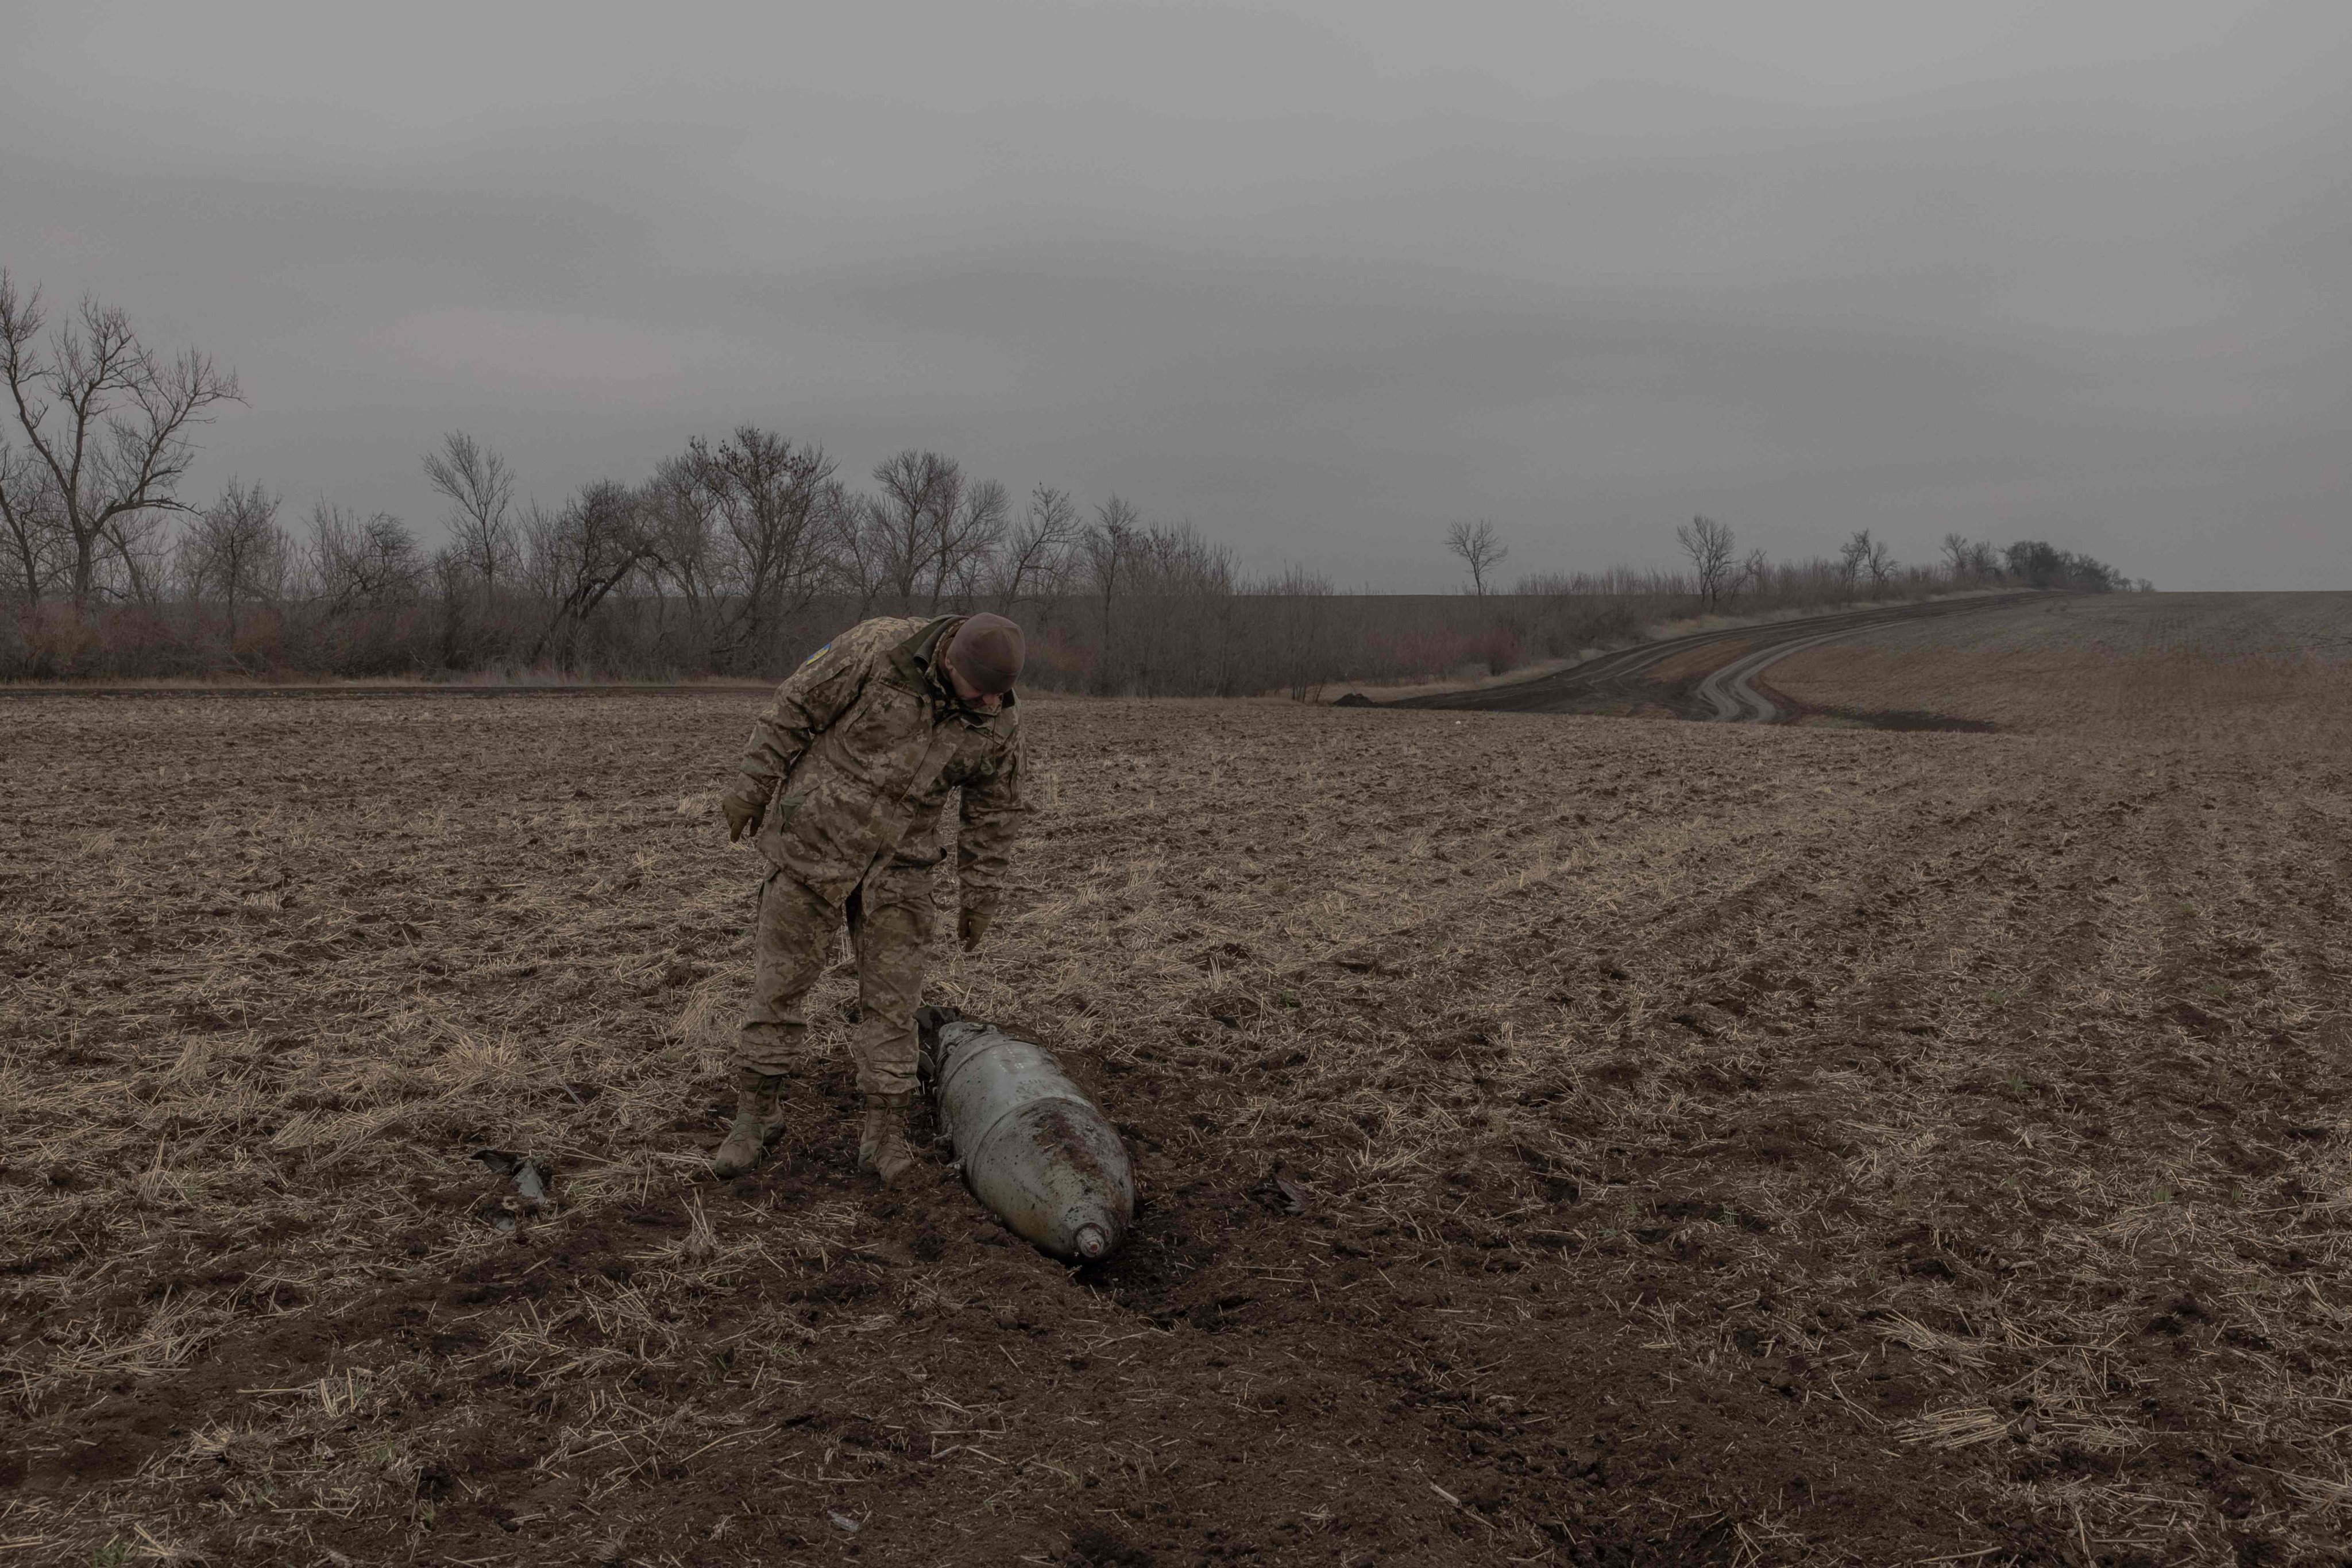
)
(1316, 279)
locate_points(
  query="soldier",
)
(865, 740)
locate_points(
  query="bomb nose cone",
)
(1091, 1242)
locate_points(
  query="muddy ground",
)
(1560, 1139)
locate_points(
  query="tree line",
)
(1720, 577)
(734, 557)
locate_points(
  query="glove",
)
(742, 815)
(972, 927)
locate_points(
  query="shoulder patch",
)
(817, 654)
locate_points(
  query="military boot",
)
(882, 1142)
(755, 1109)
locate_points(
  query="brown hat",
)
(987, 653)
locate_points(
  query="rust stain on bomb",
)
(1034, 1150)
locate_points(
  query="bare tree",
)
(682, 515)
(39, 554)
(1111, 548)
(110, 423)
(1037, 554)
(921, 494)
(1880, 562)
(1984, 561)
(1854, 554)
(138, 555)
(864, 557)
(480, 490)
(966, 537)
(579, 555)
(453, 577)
(234, 550)
(1755, 572)
(1178, 615)
(780, 511)
(1481, 548)
(1958, 555)
(1301, 657)
(1710, 546)
(362, 564)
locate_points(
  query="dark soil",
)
(1556, 1140)
(1912, 721)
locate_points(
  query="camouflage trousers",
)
(890, 919)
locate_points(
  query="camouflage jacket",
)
(866, 740)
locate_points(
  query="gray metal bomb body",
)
(1033, 1147)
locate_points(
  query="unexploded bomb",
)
(1032, 1147)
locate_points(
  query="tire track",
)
(1731, 690)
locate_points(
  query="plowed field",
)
(2266, 670)
(1561, 1140)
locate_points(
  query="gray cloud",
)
(1316, 279)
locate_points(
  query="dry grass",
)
(2224, 625)
(2267, 670)
(1562, 1140)
(2289, 702)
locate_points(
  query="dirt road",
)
(1725, 693)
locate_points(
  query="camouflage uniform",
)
(867, 739)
